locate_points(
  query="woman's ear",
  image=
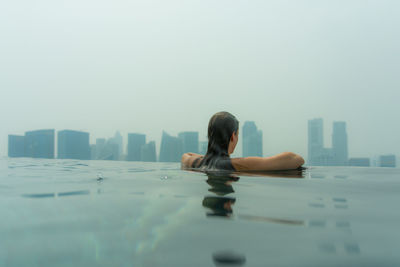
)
(234, 136)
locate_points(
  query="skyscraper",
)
(135, 143)
(360, 162)
(171, 148)
(315, 141)
(99, 149)
(16, 146)
(387, 161)
(318, 155)
(110, 151)
(190, 141)
(93, 152)
(252, 140)
(73, 145)
(148, 152)
(39, 144)
(105, 149)
(339, 143)
(117, 139)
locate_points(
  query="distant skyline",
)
(76, 145)
(149, 66)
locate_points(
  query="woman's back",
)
(217, 163)
(223, 131)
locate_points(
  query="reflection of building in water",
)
(135, 143)
(360, 162)
(60, 194)
(16, 146)
(252, 140)
(73, 145)
(318, 155)
(148, 152)
(203, 147)
(387, 161)
(171, 148)
(190, 142)
(39, 144)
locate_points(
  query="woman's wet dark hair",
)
(220, 129)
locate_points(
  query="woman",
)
(222, 139)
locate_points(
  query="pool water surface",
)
(105, 213)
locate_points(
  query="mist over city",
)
(154, 66)
(106, 106)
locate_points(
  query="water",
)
(101, 213)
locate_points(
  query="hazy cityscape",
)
(76, 145)
(100, 99)
(338, 155)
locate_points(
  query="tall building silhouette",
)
(93, 152)
(171, 148)
(148, 152)
(315, 141)
(73, 145)
(39, 144)
(135, 143)
(99, 149)
(117, 139)
(111, 151)
(360, 162)
(16, 146)
(252, 140)
(190, 141)
(339, 143)
(107, 149)
(318, 155)
(387, 161)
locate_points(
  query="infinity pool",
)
(103, 213)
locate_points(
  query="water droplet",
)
(100, 177)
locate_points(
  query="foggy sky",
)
(147, 66)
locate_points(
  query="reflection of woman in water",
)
(222, 139)
(220, 205)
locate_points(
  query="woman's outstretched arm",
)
(188, 159)
(282, 161)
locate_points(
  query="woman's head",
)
(222, 134)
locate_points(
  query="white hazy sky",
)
(152, 65)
